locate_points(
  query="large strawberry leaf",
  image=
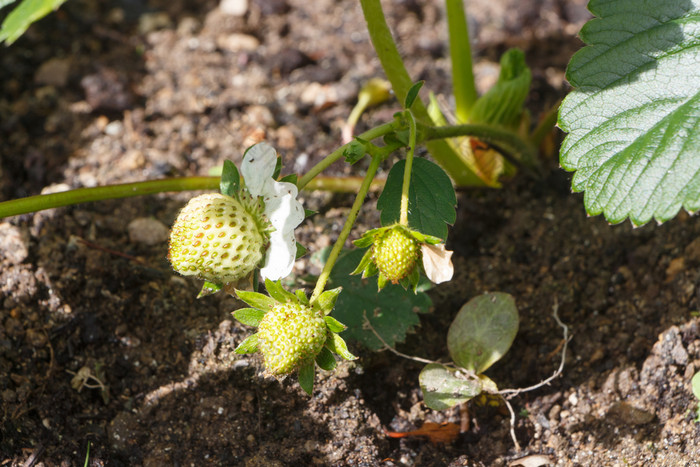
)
(634, 117)
(391, 312)
(431, 198)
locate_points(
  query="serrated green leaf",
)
(431, 198)
(307, 373)
(503, 103)
(483, 331)
(354, 152)
(412, 94)
(326, 301)
(249, 316)
(279, 293)
(230, 183)
(337, 345)
(391, 312)
(333, 324)
(24, 14)
(256, 300)
(326, 360)
(443, 387)
(634, 118)
(695, 384)
(249, 345)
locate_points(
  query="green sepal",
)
(412, 94)
(301, 296)
(333, 324)
(256, 300)
(249, 316)
(230, 183)
(276, 291)
(278, 168)
(370, 270)
(423, 238)
(326, 301)
(336, 344)
(291, 178)
(326, 360)
(249, 345)
(309, 212)
(367, 239)
(364, 262)
(208, 288)
(381, 282)
(354, 152)
(301, 250)
(306, 376)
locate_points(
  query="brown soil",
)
(123, 90)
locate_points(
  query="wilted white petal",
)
(280, 256)
(437, 262)
(284, 212)
(257, 168)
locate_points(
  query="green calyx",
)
(293, 334)
(394, 254)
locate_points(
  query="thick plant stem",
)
(454, 163)
(125, 190)
(403, 217)
(463, 85)
(368, 135)
(347, 227)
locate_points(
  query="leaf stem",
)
(403, 217)
(347, 227)
(463, 85)
(124, 190)
(368, 135)
(546, 124)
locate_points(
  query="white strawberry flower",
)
(282, 209)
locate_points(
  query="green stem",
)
(463, 85)
(368, 135)
(505, 139)
(347, 227)
(545, 126)
(403, 218)
(125, 190)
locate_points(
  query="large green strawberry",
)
(217, 239)
(290, 335)
(395, 254)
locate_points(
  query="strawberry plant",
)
(633, 137)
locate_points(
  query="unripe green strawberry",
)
(215, 238)
(290, 335)
(395, 254)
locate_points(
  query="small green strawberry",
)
(395, 254)
(217, 239)
(293, 333)
(290, 335)
(398, 254)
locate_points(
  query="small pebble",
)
(148, 231)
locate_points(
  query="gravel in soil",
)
(101, 344)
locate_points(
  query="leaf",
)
(634, 118)
(437, 433)
(230, 183)
(326, 360)
(483, 331)
(306, 377)
(249, 316)
(443, 387)
(249, 345)
(354, 152)
(412, 94)
(431, 198)
(391, 312)
(503, 103)
(695, 383)
(26, 13)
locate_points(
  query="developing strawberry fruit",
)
(395, 254)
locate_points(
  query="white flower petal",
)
(437, 262)
(284, 212)
(257, 168)
(280, 256)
